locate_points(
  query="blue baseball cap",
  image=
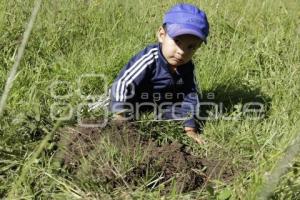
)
(184, 19)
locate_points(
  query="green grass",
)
(252, 54)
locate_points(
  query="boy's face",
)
(178, 51)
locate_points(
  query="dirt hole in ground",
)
(119, 155)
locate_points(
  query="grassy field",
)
(252, 55)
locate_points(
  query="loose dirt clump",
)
(76, 143)
(167, 165)
(170, 162)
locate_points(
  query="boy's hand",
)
(191, 132)
(119, 117)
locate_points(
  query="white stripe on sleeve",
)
(123, 97)
(131, 70)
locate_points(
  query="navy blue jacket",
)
(147, 77)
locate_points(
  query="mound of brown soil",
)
(170, 164)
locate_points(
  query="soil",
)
(168, 165)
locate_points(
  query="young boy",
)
(162, 75)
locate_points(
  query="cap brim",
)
(175, 30)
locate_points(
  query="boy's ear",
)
(161, 34)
